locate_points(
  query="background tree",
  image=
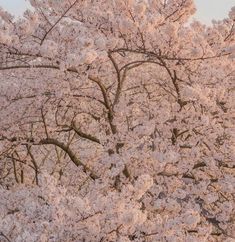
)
(123, 116)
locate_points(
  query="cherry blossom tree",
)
(117, 123)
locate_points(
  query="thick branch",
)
(106, 101)
(72, 156)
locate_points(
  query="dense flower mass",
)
(117, 123)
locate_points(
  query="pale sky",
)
(207, 9)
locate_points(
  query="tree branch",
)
(72, 156)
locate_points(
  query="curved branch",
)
(119, 82)
(84, 135)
